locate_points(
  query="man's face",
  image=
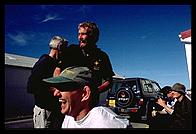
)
(83, 36)
(170, 95)
(173, 94)
(70, 102)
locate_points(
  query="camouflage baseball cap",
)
(71, 78)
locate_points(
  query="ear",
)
(86, 93)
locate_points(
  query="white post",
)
(189, 63)
(185, 38)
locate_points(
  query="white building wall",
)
(189, 61)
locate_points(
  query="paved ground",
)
(139, 125)
(24, 124)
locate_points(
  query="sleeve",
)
(107, 71)
(43, 68)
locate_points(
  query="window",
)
(147, 86)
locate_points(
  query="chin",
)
(63, 111)
(82, 44)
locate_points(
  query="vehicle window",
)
(116, 86)
(147, 86)
(132, 85)
(156, 86)
(143, 87)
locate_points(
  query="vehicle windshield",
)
(119, 84)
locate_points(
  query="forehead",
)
(71, 92)
(84, 29)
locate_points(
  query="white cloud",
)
(50, 17)
(26, 38)
(20, 38)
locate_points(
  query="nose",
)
(79, 36)
(57, 93)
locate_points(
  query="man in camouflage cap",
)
(79, 97)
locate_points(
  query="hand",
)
(154, 112)
(161, 102)
(54, 53)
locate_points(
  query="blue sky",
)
(141, 40)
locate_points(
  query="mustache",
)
(83, 41)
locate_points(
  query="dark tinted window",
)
(118, 84)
